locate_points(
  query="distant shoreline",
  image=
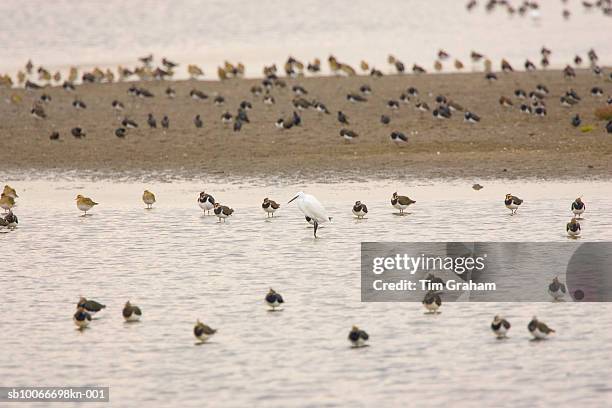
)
(524, 145)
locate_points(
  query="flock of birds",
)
(314, 213)
(532, 8)
(532, 102)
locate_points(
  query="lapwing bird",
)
(432, 302)
(270, 206)
(197, 121)
(54, 135)
(314, 66)
(219, 100)
(342, 118)
(165, 122)
(412, 91)
(151, 121)
(206, 202)
(506, 67)
(609, 127)
(77, 132)
(321, 108)
(117, 105)
(131, 313)
(242, 115)
(475, 57)
(311, 208)
(355, 98)
(573, 228)
(169, 64)
(393, 104)
(256, 90)
(385, 120)
(301, 104)
(422, 106)
(299, 90)
(283, 123)
(68, 86)
(519, 93)
(477, 187)
(490, 76)
(417, 69)
(274, 299)
(348, 135)
(197, 95)
(9, 191)
(170, 93)
(443, 55)
(45, 98)
(297, 119)
(556, 289)
(569, 72)
(269, 100)
(540, 111)
(441, 112)
(226, 118)
(79, 104)
(399, 138)
(81, 318)
(358, 337)
(148, 198)
(401, 202)
(567, 102)
(6, 202)
(578, 207)
(470, 117)
(365, 89)
(38, 112)
(454, 106)
(91, 306)
(129, 124)
(542, 89)
(237, 125)
(404, 98)
(360, 209)
(120, 132)
(203, 332)
(222, 211)
(31, 86)
(576, 121)
(10, 220)
(539, 330)
(525, 108)
(512, 203)
(500, 327)
(597, 91)
(84, 203)
(529, 66)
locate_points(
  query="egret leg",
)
(316, 226)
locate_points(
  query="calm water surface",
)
(179, 265)
(110, 32)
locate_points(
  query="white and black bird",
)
(358, 337)
(165, 122)
(131, 313)
(348, 134)
(342, 118)
(81, 318)
(226, 118)
(170, 93)
(312, 209)
(91, 306)
(206, 202)
(219, 100)
(10, 220)
(557, 289)
(222, 211)
(355, 98)
(360, 209)
(203, 332)
(269, 100)
(129, 124)
(78, 132)
(401, 202)
(573, 228)
(399, 138)
(576, 121)
(432, 302)
(500, 327)
(117, 105)
(274, 300)
(539, 330)
(198, 95)
(385, 120)
(512, 203)
(470, 117)
(393, 104)
(79, 104)
(365, 89)
(120, 132)
(270, 206)
(578, 207)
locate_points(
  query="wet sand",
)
(505, 144)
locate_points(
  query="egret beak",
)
(292, 199)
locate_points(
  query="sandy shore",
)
(525, 146)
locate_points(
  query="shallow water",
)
(179, 265)
(110, 32)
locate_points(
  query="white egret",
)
(311, 208)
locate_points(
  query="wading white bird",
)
(311, 208)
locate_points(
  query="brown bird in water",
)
(401, 202)
(203, 332)
(222, 211)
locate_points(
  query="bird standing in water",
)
(311, 208)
